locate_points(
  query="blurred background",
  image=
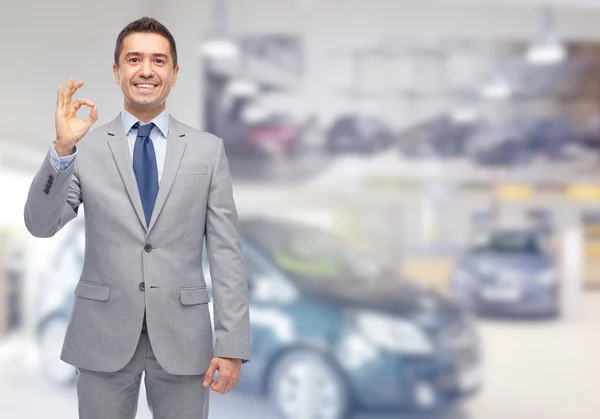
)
(418, 184)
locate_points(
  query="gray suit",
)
(131, 269)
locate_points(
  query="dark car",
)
(508, 271)
(333, 332)
(357, 133)
(277, 134)
(439, 137)
(524, 141)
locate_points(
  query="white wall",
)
(46, 42)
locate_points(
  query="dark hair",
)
(145, 25)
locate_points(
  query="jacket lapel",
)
(176, 143)
(120, 151)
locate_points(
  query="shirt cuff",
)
(61, 163)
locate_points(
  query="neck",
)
(145, 115)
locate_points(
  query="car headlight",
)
(548, 277)
(394, 334)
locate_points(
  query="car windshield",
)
(507, 242)
(277, 120)
(314, 254)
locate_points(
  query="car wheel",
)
(51, 339)
(304, 385)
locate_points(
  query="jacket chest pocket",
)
(192, 169)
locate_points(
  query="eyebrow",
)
(155, 55)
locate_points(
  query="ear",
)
(116, 74)
(175, 73)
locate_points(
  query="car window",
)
(314, 254)
(507, 242)
(344, 123)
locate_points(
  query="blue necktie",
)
(144, 167)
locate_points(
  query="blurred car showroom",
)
(418, 185)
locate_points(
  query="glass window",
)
(518, 242)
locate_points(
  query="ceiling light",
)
(546, 53)
(220, 47)
(499, 88)
(464, 115)
(242, 88)
(548, 49)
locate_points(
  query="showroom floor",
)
(534, 369)
(542, 369)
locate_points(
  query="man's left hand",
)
(229, 374)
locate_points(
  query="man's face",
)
(145, 71)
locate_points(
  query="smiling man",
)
(153, 190)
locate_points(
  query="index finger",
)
(60, 97)
(210, 373)
(220, 386)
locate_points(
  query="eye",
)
(134, 60)
(159, 61)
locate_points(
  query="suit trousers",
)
(115, 395)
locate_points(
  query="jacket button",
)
(46, 191)
(142, 286)
(148, 248)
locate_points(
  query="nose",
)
(146, 70)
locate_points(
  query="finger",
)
(230, 379)
(227, 382)
(230, 384)
(68, 92)
(65, 99)
(222, 383)
(79, 103)
(210, 373)
(76, 87)
(224, 379)
(93, 116)
(60, 99)
(235, 382)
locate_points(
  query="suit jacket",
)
(130, 268)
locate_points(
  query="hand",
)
(69, 128)
(229, 374)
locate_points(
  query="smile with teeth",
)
(145, 86)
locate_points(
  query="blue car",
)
(333, 332)
(508, 271)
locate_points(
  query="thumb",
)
(93, 116)
(210, 373)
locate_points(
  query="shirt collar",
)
(161, 121)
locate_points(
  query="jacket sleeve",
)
(53, 200)
(229, 283)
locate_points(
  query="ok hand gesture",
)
(69, 128)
